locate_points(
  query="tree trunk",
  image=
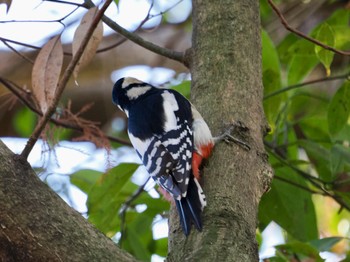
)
(37, 225)
(227, 87)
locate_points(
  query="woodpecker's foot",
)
(228, 138)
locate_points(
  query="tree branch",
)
(64, 2)
(16, 52)
(24, 98)
(47, 229)
(5, 40)
(301, 34)
(62, 84)
(126, 205)
(298, 185)
(288, 88)
(174, 55)
(318, 183)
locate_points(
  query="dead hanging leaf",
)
(94, 41)
(7, 3)
(46, 72)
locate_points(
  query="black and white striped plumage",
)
(161, 128)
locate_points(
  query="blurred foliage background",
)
(305, 215)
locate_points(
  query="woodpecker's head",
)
(127, 90)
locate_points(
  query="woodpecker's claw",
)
(228, 138)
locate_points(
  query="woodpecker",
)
(171, 138)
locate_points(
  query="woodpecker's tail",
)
(191, 206)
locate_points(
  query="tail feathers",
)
(191, 206)
(184, 216)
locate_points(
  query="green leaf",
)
(271, 78)
(339, 21)
(320, 157)
(301, 57)
(337, 159)
(325, 244)
(300, 105)
(300, 248)
(339, 110)
(183, 88)
(155, 206)
(270, 55)
(265, 10)
(347, 258)
(85, 179)
(284, 46)
(289, 206)
(259, 238)
(340, 156)
(339, 17)
(24, 122)
(303, 60)
(138, 237)
(59, 133)
(342, 37)
(161, 247)
(108, 194)
(280, 257)
(315, 127)
(325, 35)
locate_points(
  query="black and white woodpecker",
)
(171, 138)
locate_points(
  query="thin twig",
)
(19, 93)
(17, 52)
(104, 49)
(123, 38)
(288, 88)
(166, 10)
(63, 82)
(285, 162)
(24, 96)
(124, 208)
(64, 2)
(31, 21)
(301, 34)
(298, 185)
(19, 43)
(318, 183)
(44, 21)
(131, 199)
(174, 55)
(26, 45)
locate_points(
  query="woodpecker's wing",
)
(168, 160)
(166, 154)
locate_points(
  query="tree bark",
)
(225, 63)
(37, 225)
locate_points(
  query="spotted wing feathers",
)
(168, 160)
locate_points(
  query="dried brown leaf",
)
(7, 3)
(94, 41)
(46, 72)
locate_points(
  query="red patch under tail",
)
(198, 156)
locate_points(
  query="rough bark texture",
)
(227, 87)
(36, 225)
